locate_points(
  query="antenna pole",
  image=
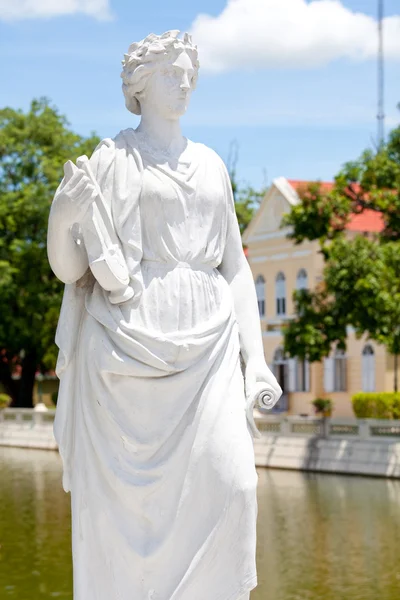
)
(381, 78)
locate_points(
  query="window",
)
(280, 294)
(280, 366)
(368, 369)
(335, 372)
(279, 356)
(302, 280)
(260, 291)
(340, 375)
(299, 375)
(302, 375)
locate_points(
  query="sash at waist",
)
(169, 266)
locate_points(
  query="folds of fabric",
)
(163, 483)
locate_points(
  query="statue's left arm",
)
(235, 269)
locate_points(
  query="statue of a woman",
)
(151, 416)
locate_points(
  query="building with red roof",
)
(279, 267)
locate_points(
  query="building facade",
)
(280, 267)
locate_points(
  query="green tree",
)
(361, 282)
(33, 148)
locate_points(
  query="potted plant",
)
(323, 406)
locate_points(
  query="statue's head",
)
(160, 72)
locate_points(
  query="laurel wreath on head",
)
(143, 56)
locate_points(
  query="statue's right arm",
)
(67, 258)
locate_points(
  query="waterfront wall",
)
(350, 446)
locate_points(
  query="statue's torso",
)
(183, 211)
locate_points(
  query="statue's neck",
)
(162, 133)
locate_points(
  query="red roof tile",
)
(367, 221)
(298, 185)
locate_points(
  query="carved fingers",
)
(75, 194)
(257, 371)
(77, 186)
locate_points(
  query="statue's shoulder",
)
(210, 153)
(212, 156)
(124, 139)
(106, 151)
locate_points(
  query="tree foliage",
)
(361, 279)
(33, 148)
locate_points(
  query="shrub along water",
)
(377, 405)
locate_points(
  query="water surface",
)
(320, 537)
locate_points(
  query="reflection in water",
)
(320, 537)
(35, 552)
(327, 537)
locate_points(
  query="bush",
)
(54, 398)
(377, 405)
(5, 400)
(323, 406)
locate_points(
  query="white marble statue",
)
(159, 306)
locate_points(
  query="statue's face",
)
(170, 86)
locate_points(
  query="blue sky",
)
(293, 82)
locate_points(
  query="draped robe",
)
(150, 419)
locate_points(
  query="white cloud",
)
(254, 34)
(13, 10)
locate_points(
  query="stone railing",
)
(26, 417)
(350, 446)
(27, 428)
(286, 442)
(362, 429)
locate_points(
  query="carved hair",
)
(143, 58)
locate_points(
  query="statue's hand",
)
(260, 383)
(74, 196)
